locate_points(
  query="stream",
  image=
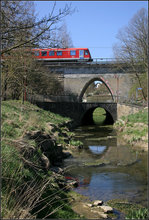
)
(107, 168)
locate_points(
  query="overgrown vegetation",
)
(134, 127)
(29, 188)
(131, 210)
(141, 213)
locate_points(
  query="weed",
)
(141, 213)
(25, 186)
(75, 143)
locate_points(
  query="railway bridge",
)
(75, 78)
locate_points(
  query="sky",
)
(95, 24)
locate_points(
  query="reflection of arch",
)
(93, 80)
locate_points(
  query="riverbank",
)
(34, 144)
(134, 129)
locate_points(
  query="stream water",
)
(107, 168)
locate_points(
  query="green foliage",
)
(134, 125)
(75, 143)
(131, 210)
(55, 205)
(11, 161)
(65, 213)
(141, 116)
(22, 117)
(141, 213)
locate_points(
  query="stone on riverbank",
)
(98, 202)
(106, 209)
(90, 205)
(101, 214)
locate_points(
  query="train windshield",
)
(86, 52)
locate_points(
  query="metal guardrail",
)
(82, 62)
(106, 61)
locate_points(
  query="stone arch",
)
(93, 80)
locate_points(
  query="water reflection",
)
(97, 149)
(111, 185)
(107, 169)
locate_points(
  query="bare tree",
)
(20, 28)
(133, 48)
(22, 75)
(61, 38)
(65, 40)
(19, 33)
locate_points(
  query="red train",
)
(65, 54)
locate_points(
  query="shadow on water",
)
(106, 168)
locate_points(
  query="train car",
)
(63, 54)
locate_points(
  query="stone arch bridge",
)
(75, 79)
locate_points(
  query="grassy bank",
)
(134, 128)
(130, 210)
(32, 142)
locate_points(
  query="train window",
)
(72, 52)
(43, 53)
(86, 52)
(51, 53)
(59, 53)
(36, 53)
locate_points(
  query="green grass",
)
(22, 182)
(131, 210)
(141, 213)
(134, 126)
(75, 143)
(139, 117)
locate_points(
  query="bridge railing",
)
(106, 60)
